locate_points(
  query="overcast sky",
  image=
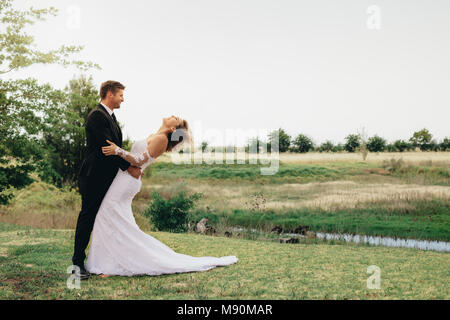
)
(324, 68)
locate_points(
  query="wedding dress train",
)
(119, 247)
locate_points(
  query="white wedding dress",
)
(119, 247)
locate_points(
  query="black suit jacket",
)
(100, 126)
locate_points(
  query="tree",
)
(390, 147)
(352, 142)
(302, 144)
(22, 122)
(24, 104)
(64, 135)
(445, 144)
(401, 145)
(338, 148)
(422, 139)
(204, 145)
(434, 146)
(18, 49)
(376, 144)
(327, 146)
(283, 140)
(254, 145)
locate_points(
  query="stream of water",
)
(441, 246)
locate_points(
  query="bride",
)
(118, 246)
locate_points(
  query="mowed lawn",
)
(34, 262)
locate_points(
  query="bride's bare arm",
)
(157, 146)
(136, 160)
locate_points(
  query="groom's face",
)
(117, 98)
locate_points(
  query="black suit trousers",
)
(93, 190)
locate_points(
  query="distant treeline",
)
(420, 140)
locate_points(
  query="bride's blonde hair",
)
(180, 137)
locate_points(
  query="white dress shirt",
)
(108, 109)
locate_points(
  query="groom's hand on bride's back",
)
(135, 172)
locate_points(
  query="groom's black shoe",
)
(84, 274)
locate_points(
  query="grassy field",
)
(381, 196)
(386, 196)
(33, 264)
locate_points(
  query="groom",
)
(98, 171)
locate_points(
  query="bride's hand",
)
(109, 150)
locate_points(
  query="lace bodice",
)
(138, 148)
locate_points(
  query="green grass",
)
(295, 172)
(413, 218)
(44, 206)
(428, 220)
(33, 265)
(285, 173)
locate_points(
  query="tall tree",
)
(422, 139)
(18, 48)
(254, 145)
(24, 104)
(281, 138)
(302, 144)
(22, 121)
(352, 142)
(445, 144)
(65, 135)
(376, 144)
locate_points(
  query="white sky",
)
(311, 67)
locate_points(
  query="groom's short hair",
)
(110, 85)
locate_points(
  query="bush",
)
(173, 214)
(395, 165)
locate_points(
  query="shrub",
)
(395, 165)
(173, 214)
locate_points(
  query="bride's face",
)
(172, 122)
